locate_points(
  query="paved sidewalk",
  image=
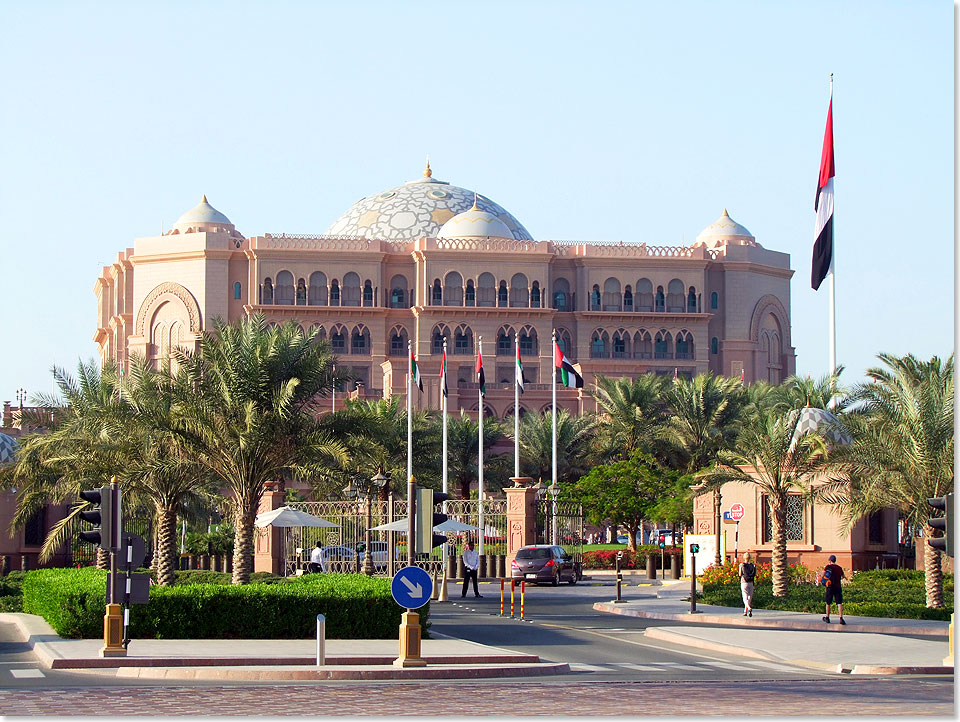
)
(276, 659)
(865, 645)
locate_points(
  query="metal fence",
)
(561, 523)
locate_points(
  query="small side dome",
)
(474, 224)
(819, 420)
(8, 449)
(200, 217)
(725, 231)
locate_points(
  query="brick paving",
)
(874, 697)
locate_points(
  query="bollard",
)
(693, 582)
(651, 567)
(460, 567)
(523, 587)
(321, 640)
(619, 599)
(674, 566)
(501, 565)
(501, 597)
(482, 571)
(512, 587)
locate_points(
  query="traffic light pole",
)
(114, 631)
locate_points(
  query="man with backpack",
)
(748, 573)
(832, 574)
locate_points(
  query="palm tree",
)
(462, 448)
(575, 437)
(902, 450)
(797, 392)
(773, 455)
(705, 417)
(631, 414)
(248, 413)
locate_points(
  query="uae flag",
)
(519, 371)
(415, 372)
(568, 374)
(443, 373)
(480, 379)
(823, 247)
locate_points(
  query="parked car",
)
(379, 551)
(337, 559)
(543, 563)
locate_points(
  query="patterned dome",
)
(417, 208)
(814, 419)
(203, 212)
(8, 448)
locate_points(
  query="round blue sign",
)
(411, 587)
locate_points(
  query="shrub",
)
(355, 607)
(607, 559)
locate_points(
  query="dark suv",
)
(544, 563)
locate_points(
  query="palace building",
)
(427, 261)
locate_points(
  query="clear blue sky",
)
(593, 121)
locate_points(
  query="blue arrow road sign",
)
(411, 587)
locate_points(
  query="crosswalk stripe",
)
(678, 665)
(725, 665)
(21, 673)
(581, 667)
(638, 667)
(772, 665)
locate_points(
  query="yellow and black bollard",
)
(512, 587)
(523, 587)
(501, 597)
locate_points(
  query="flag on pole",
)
(443, 372)
(823, 246)
(480, 378)
(741, 375)
(519, 371)
(568, 374)
(415, 372)
(674, 373)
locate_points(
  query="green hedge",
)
(355, 607)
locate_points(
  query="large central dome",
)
(417, 208)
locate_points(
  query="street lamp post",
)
(366, 489)
(554, 489)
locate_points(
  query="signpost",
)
(736, 513)
(411, 587)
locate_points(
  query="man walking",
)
(832, 574)
(471, 562)
(316, 559)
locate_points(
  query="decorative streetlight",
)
(368, 490)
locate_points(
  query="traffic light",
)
(662, 541)
(944, 523)
(426, 520)
(438, 519)
(104, 534)
(694, 548)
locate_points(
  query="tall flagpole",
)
(333, 392)
(833, 260)
(443, 402)
(409, 414)
(480, 446)
(516, 413)
(554, 386)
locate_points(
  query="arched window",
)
(644, 297)
(321, 332)
(301, 292)
(440, 334)
(563, 341)
(535, 295)
(267, 292)
(505, 339)
(685, 348)
(398, 341)
(502, 294)
(612, 300)
(714, 301)
(471, 294)
(486, 290)
(436, 296)
(367, 293)
(338, 339)
(661, 300)
(642, 345)
(398, 292)
(453, 289)
(621, 344)
(519, 297)
(463, 341)
(714, 345)
(360, 341)
(663, 345)
(528, 342)
(351, 289)
(561, 294)
(237, 290)
(284, 288)
(334, 292)
(599, 343)
(595, 298)
(627, 298)
(692, 300)
(317, 294)
(675, 296)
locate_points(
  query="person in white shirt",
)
(316, 559)
(471, 562)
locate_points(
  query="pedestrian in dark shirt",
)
(832, 574)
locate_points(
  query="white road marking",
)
(22, 673)
(581, 667)
(773, 665)
(678, 665)
(638, 667)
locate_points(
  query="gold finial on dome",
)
(204, 199)
(427, 173)
(725, 213)
(475, 208)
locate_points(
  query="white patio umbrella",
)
(287, 517)
(450, 525)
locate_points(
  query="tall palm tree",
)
(774, 455)
(902, 450)
(631, 414)
(705, 417)
(248, 413)
(462, 447)
(575, 436)
(797, 392)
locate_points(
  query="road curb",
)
(666, 635)
(892, 669)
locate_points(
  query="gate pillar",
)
(268, 547)
(521, 517)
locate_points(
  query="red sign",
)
(736, 512)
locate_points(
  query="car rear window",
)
(533, 554)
